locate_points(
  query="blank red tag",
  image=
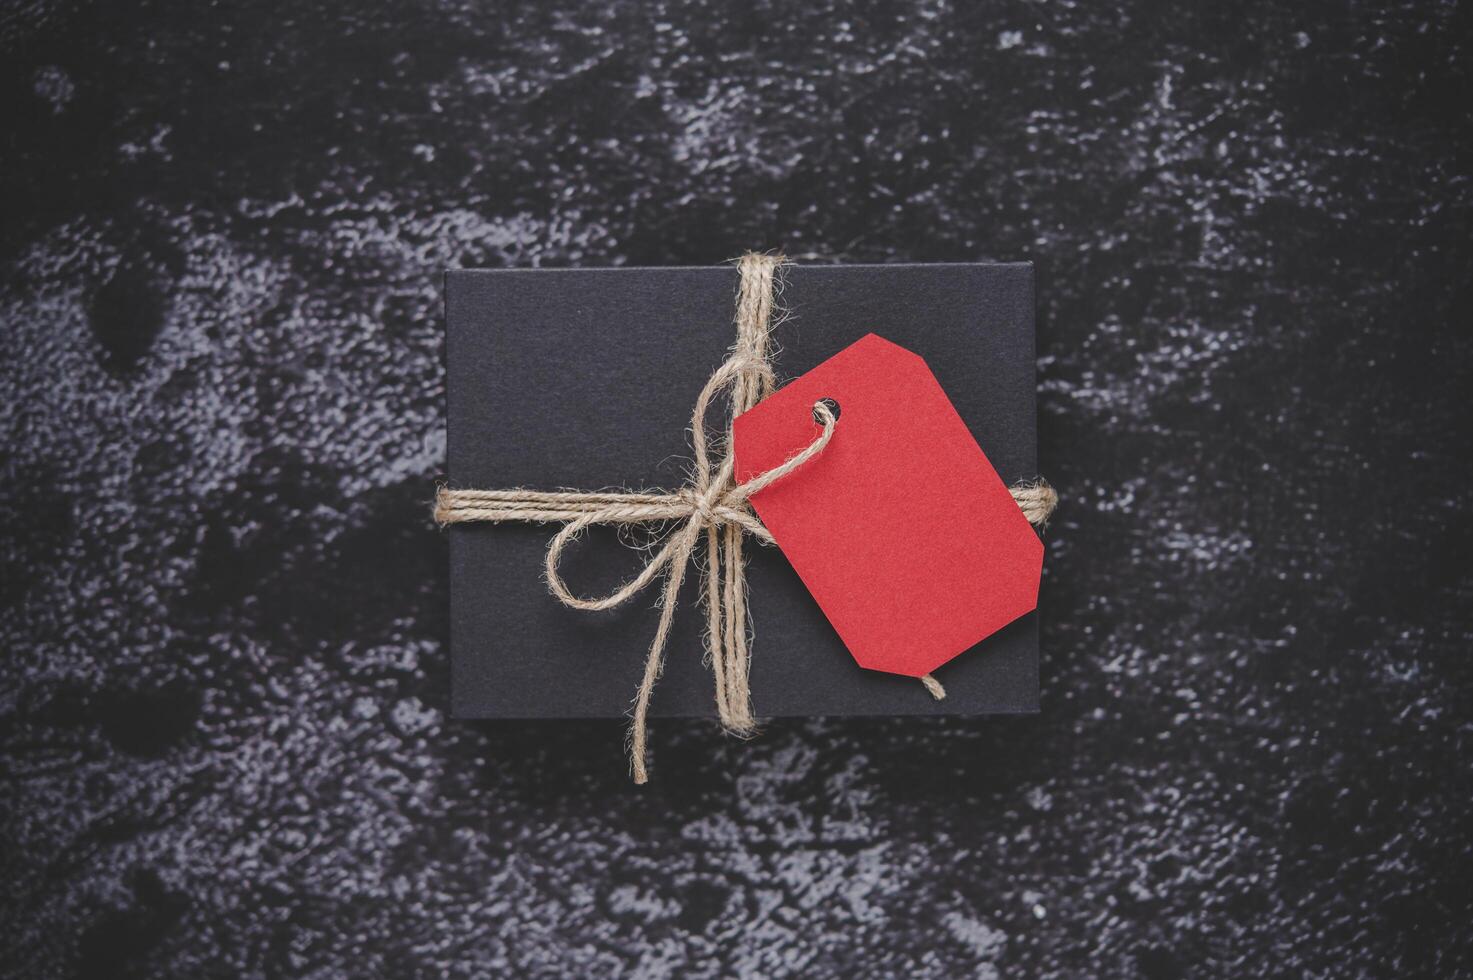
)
(901, 529)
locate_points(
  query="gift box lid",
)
(585, 379)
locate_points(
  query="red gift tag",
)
(901, 529)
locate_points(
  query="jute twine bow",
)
(713, 505)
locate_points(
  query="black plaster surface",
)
(222, 724)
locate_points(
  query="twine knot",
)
(712, 506)
(704, 504)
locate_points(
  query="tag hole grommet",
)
(833, 408)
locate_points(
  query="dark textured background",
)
(224, 742)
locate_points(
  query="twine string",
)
(712, 506)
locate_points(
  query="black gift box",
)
(585, 379)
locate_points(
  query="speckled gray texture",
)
(224, 746)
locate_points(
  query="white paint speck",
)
(54, 86)
(411, 716)
(983, 940)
